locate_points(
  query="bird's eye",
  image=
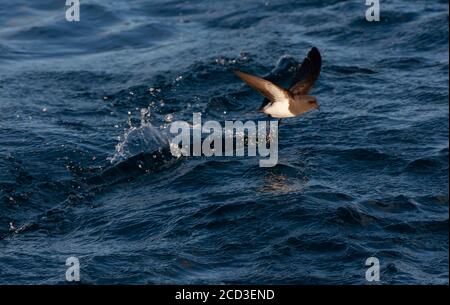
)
(312, 102)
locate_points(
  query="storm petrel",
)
(281, 103)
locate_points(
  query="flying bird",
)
(285, 103)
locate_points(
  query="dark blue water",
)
(365, 176)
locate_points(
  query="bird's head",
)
(312, 103)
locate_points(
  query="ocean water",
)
(81, 174)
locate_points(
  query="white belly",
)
(279, 110)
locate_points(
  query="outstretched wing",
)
(307, 74)
(271, 91)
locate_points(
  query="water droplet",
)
(168, 118)
(145, 112)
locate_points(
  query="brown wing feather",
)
(307, 74)
(271, 91)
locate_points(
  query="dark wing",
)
(307, 73)
(271, 91)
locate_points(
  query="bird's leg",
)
(268, 130)
(269, 133)
(268, 136)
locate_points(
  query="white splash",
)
(138, 139)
